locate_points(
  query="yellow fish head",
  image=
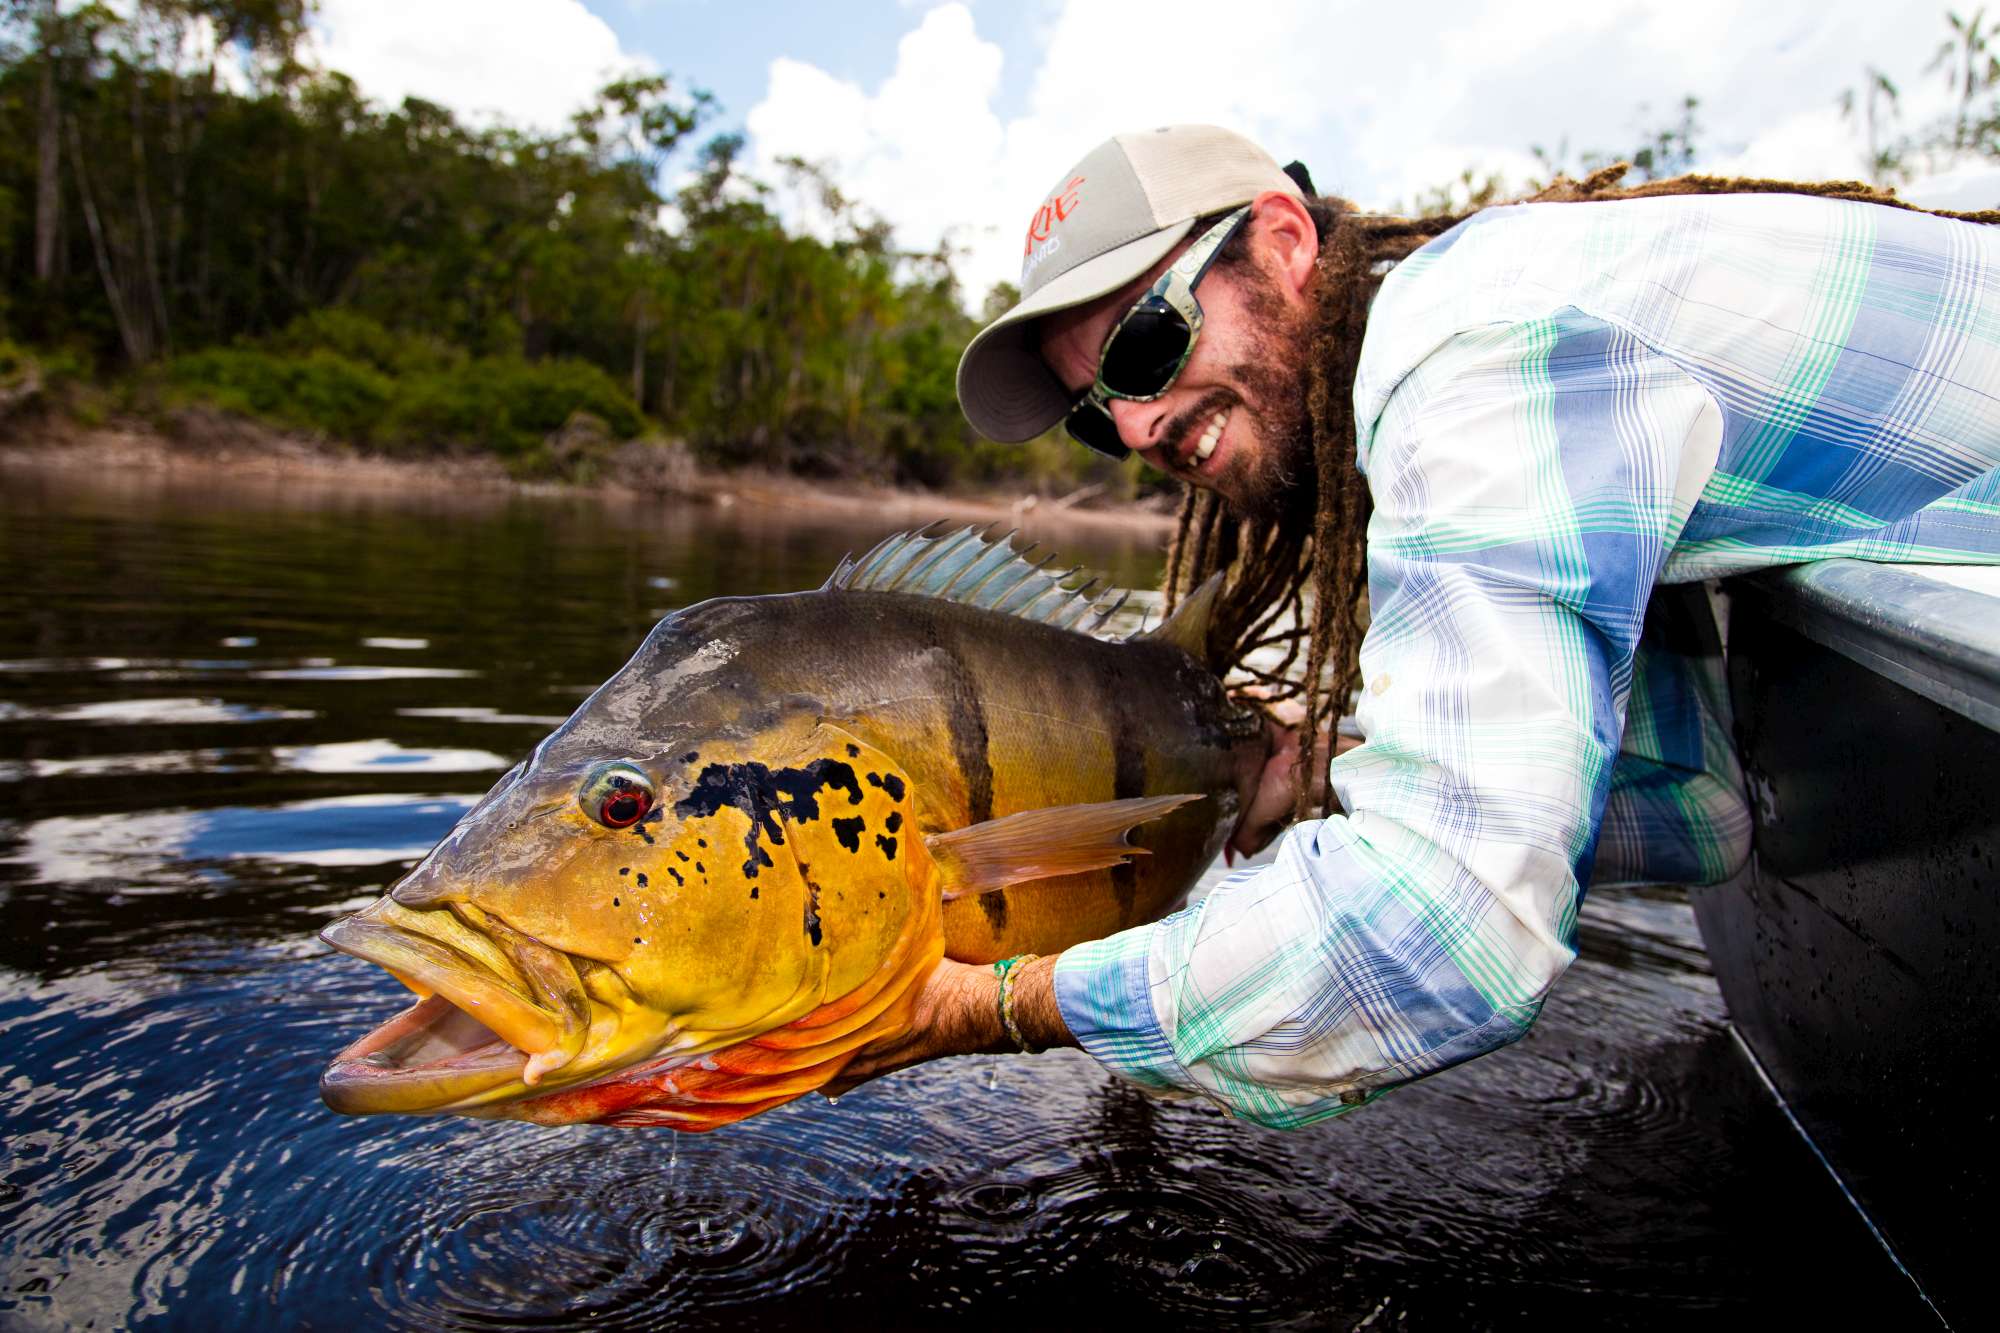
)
(599, 917)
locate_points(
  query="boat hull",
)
(1859, 952)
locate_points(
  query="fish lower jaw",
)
(430, 1058)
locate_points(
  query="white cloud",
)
(1379, 107)
(915, 150)
(529, 62)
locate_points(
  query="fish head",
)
(600, 912)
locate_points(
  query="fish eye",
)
(618, 796)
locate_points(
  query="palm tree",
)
(1969, 65)
(1876, 91)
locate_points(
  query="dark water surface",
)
(226, 718)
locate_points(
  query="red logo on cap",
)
(1058, 208)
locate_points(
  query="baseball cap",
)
(1109, 218)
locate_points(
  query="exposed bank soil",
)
(231, 449)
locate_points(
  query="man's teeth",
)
(1206, 444)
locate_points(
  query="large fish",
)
(734, 865)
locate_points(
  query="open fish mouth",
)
(431, 1057)
(474, 1034)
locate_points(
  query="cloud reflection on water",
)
(375, 829)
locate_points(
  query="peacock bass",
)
(735, 864)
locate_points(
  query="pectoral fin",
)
(1041, 844)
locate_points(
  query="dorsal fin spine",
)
(1000, 563)
(1014, 589)
(873, 561)
(913, 576)
(968, 567)
(1105, 612)
(958, 575)
(924, 537)
(1078, 609)
(1015, 574)
(900, 561)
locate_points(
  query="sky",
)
(952, 119)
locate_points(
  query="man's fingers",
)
(1269, 808)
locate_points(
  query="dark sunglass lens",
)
(1146, 352)
(1094, 430)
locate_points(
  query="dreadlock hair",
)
(1291, 587)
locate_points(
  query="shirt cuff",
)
(1104, 992)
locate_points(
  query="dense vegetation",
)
(400, 279)
(189, 215)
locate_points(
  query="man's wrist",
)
(1035, 1010)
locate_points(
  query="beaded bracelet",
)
(1006, 969)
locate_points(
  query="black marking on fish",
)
(690, 756)
(965, 718)
(894, 821)
(642, 879)
(1128, 759)
(700, 869)
(624, 870)
(677, 876)
(849, 832)
(681, 854)
(891, 784)
(768, 797)
(812, 903)
(887, 844)
(637, 940)
(701, 842)
(616, 903)
(853, 752)
(640, 829)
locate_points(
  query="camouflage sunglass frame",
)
(1158, 336)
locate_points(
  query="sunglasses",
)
(1146, 350)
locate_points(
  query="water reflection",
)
(178, 711)
(165, 1010)
(157, 849)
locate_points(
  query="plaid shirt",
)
(1561, 408)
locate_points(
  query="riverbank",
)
(235, 450)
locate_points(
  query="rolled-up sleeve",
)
(1528, 479)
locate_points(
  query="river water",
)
(228, 715)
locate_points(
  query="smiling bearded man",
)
(1481, 466)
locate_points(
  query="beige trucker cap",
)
(1109, 218)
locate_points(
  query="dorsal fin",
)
(1187, 627)
(969, 568)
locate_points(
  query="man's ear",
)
(1283, 237)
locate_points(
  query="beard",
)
(1277, 482)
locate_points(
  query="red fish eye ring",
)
(624, 808)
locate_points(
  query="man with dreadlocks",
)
(1563, 418)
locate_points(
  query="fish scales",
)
(746, 842)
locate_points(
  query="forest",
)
(191, 215)
(194, 215)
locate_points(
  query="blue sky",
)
(728, 47)
(951, 117)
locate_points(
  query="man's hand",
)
(958, 1013)
(1270, 806)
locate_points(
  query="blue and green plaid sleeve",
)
(1562, 408)
(1528, 484)
(1677, 812)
